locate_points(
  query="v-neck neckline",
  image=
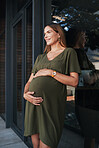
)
(56, 56)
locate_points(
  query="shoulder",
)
(40, 56)
(70, 51)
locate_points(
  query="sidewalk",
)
(9, 139)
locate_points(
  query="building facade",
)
(22, 39)
(21, 31)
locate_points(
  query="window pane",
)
(18, 75)
(28, 47)
(28, 41)
(17, 6)
(82, 15)
(20, 4)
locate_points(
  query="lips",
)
(47, 40)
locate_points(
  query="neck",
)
(56, 47)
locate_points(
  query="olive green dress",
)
(48, 118)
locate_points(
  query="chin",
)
(49, 44)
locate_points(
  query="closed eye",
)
(49, 31)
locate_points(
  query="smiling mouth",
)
(47, 40)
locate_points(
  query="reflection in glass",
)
(83, 15)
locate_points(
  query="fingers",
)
(37, 100)
(34, 100)
(30, 93)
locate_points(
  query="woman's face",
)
(50, 36)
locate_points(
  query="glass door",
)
(22, 64)
(28, 60)
(17, 75)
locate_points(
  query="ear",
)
(58, 35)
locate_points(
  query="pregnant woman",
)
(45, 90)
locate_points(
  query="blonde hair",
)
(58, 29)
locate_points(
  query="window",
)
(17, 75)
(83, 15)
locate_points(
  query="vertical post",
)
(47, 14)
(8, 102)
(41, 16)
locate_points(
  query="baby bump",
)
(44, 84)
(39, 85)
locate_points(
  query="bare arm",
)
(26, 89)
(29, 95)
(71, 80)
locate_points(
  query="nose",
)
(45, 36)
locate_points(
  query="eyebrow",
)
(47, 31)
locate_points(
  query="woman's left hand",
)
(44, 72)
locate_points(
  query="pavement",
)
(9, 139)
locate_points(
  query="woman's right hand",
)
(34, 100)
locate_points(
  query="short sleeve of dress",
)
(72, 64)
(35, 64)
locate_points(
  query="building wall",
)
(24, 41)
